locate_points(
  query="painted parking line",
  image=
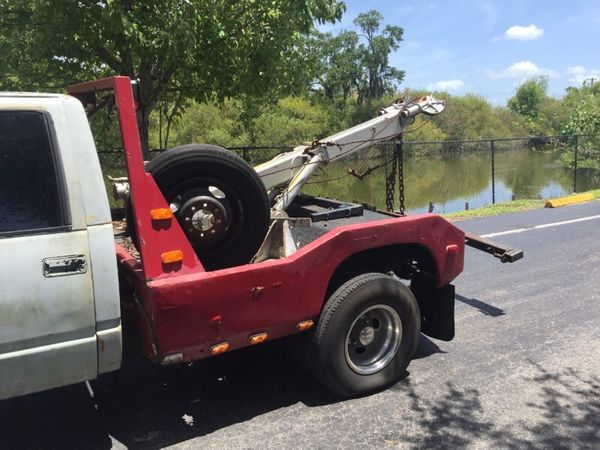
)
(537, 227)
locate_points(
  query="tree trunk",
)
(143, 125)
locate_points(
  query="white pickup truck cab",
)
(60, 319)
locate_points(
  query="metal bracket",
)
(279, 242)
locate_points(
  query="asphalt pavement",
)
(522, 372)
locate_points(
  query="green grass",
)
(504, 208)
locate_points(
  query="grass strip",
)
(503, 208)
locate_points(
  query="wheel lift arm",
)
(505, 254)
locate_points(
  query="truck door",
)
(47, 321)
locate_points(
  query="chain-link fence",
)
(443, 176)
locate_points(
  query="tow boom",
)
(290, 171)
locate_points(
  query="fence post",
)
(245, 154)
(493, 172)
(575, 165)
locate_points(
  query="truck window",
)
(29, 187)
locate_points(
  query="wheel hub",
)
(373, 339)
(367, 335)
(204, 220)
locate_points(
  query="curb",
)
(570, 200)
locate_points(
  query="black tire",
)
(350, 312)
(193, 172)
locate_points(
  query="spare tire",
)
(218, 199)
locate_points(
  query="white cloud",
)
(447, 85)
(578, 74)
(521, 69)
(520, 33)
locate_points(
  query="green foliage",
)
(379, 76)
(470, 117)
(209, 124)
(338, 66)
(347, 68)
(203, 49)
(529, 98)
(584, 106)
(293, 120)
(424, 129)
(583, 119)
(538, 113)
(252, 72)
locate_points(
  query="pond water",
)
(450, 181)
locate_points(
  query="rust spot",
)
(257, 291)
(101, 345)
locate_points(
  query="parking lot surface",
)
(522, 372)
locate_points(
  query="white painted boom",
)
(295, 168)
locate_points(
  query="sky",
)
(489, 47)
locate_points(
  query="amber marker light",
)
(258, 338)
(174, 256)
(161, 214)
(452, 249)
(305, 325)
(219, 348)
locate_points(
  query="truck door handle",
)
(64, 265)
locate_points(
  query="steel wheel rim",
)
(218, 198)
(373, 339)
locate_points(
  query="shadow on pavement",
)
(485, 308)
(569, 406)
(146, 406)
(152, 407)
(564, 415)
(426, 348)
(452, 421)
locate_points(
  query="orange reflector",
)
(219, 348)
(258, 338)
(452, 249)
(305, 325)
(161, 214)
(171, 257)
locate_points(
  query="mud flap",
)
(437, 308)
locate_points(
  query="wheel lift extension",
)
(498, 250)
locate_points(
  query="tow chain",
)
(399, 155)
(397, 167)
(390, 184)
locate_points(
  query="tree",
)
(470, 117)
(292, 121)
(338, 64)
(583, 119)
(379, 76)
(583, 107)
(205, 49)
(530, 97)
(346, 67)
